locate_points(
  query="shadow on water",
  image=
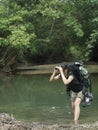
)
(34, 98)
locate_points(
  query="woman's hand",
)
(58, 68)
(55, 75)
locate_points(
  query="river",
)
(34, 98)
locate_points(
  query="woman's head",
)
(64, 65)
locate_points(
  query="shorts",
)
(75, 95)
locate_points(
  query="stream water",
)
(34, 98)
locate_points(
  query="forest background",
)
(47, 31)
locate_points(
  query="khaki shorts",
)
(75, 95)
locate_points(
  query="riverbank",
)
(47, 69)
(8, 122)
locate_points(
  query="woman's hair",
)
(64, 65)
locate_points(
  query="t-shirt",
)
(75, 85)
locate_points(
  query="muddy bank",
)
(8, 122)
(47, 69)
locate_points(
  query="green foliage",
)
(57, 29)
(3, 42)
(19, 38)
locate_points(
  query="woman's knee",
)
(77, 101)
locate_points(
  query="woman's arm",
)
(54, 76)
(64, 79)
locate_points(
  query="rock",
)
(8, 122)
(4, 117)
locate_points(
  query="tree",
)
(17, 39)
(47, 30)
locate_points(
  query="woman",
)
(70, 80)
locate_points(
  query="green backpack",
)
(83, 77)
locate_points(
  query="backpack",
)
(81, 74)
(83, 77)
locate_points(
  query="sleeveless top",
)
(74, 85)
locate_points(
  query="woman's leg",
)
(73, 106)
(76, 108)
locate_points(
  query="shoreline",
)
(8, 122)
(47, 69)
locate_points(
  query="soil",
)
(8, 122)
